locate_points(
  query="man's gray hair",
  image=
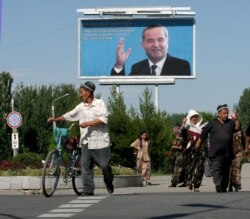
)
(154, 26)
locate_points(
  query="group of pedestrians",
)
(192, 140)
(221, 140)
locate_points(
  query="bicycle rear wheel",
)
(51, 173)
(77, 176)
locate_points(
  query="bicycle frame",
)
(59, 134)
(55, 161)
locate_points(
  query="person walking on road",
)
(143, 164)
(238, 148)
(220, 153)
(95, 143)
(247, 138)
(180, 164)
(194, 159)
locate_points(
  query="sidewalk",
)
(159, 185)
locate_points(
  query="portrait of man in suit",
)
(159, 62)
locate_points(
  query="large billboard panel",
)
(103, 43)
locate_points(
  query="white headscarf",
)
(193, 129)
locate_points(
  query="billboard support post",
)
(156, 98)
(117, 89)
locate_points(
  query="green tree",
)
(121, 130)
(176, 119)
(243, 108)
(5, 108)
(35, 105)
(207, 116)
(156, 124)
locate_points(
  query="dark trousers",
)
(220, 171)
(102, 158)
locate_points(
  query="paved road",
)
(150, 202)
(133, 206)
(161, 183)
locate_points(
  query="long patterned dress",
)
(179, 174)
(235, 174)
(195, 166)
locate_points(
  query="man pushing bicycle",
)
(95, 143)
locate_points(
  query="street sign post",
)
(15, 141)
(14, 119)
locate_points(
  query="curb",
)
(35, 182)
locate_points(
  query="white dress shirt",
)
(159, 66)
(96, 137)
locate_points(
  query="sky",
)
(39, 39)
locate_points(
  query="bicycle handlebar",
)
(61, 132)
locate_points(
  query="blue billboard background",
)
(99, 39)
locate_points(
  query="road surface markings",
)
(65, 210)
(72, 207)
(75, 206)
(56, 215)
(83, 201)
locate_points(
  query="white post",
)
(14, 130)
(117, 89)
(156, 97)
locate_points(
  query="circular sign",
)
(14, 119)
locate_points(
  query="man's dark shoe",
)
(87, 194)
(172, 185)
(218, 188)
(110, 188)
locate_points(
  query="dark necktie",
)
(153, 67)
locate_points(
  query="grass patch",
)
(117, 171)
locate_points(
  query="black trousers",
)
(102, 158)
(220, 171)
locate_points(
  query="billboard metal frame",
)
(166, 12)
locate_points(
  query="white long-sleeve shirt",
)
(96, 137)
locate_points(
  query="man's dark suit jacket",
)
(172, 66)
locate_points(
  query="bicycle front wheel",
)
(51, 173)
(77, 176)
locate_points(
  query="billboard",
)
(122, 48)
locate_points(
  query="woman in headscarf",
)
(143, 164)
(195, 159)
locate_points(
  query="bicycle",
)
(55, 164)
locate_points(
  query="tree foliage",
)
(121, 129)
(35, 105)
(156, 124)
(243, 108)
(125, 126)
(5, 108)
(35, 134)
